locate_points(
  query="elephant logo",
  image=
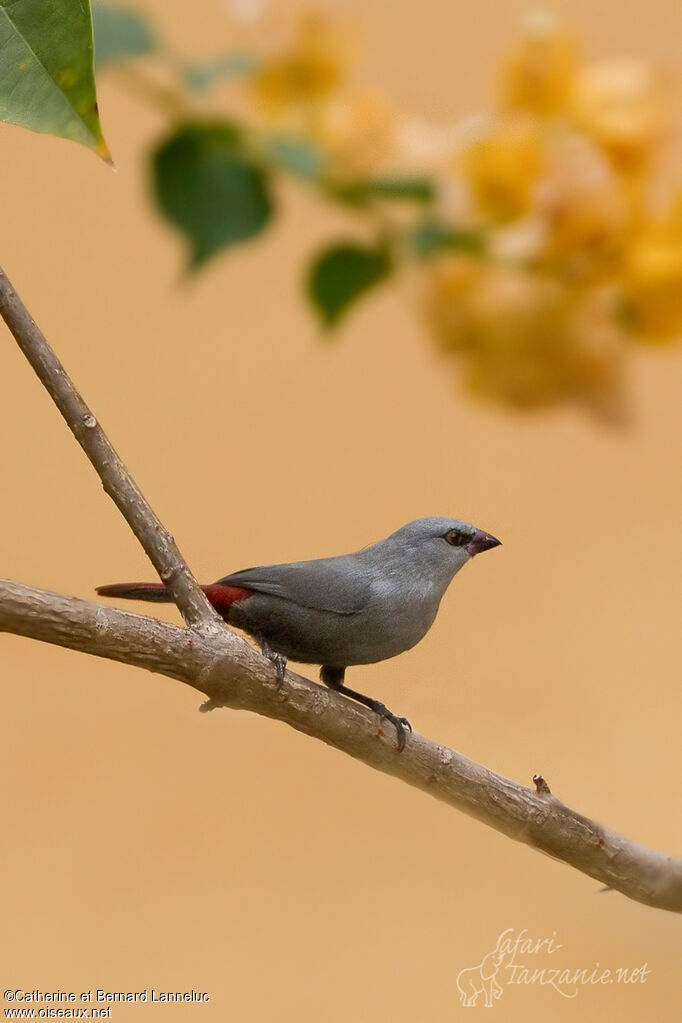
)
(481, 980)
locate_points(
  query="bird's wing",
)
(328, 584)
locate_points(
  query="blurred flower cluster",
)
(583, 231)
(557, 237)
(540, 239)
(301, 86)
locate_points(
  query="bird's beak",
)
(482, 542)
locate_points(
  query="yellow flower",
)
(450, 283)
(621, 105)
(559, 360)
(517, 351)
(502, 165)
(525, 340)
(357, 133)
(653, 279)
(308, 70)
(585, 211)
(539, 71)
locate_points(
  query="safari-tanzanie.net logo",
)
(519, 960)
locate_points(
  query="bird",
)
(337, 612)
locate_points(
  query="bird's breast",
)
(399, 616)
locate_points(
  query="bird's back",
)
(340, 585)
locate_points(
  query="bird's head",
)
(441, 546)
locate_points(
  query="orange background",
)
(146, 845)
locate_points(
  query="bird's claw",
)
(279, 661)
(400, 724)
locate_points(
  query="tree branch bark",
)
(232, 674)
(157, 542)
(216, 661)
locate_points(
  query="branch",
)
(214, 660)
(157, 542)
(232, 674)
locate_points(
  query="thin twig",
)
(167, 98)
(232, 674)
(157, 542)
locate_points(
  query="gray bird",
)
(354, 609)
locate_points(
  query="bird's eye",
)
(455, 538)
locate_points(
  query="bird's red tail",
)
(222, 597)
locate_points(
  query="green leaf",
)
(120, 33)
(202, 74)
(402, 189)
(46, 78)
(209, 188)
(429, 238)
(341, 274)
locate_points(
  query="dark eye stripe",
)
(455, 538)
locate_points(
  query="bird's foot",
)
(279, 661)
(400, 724)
